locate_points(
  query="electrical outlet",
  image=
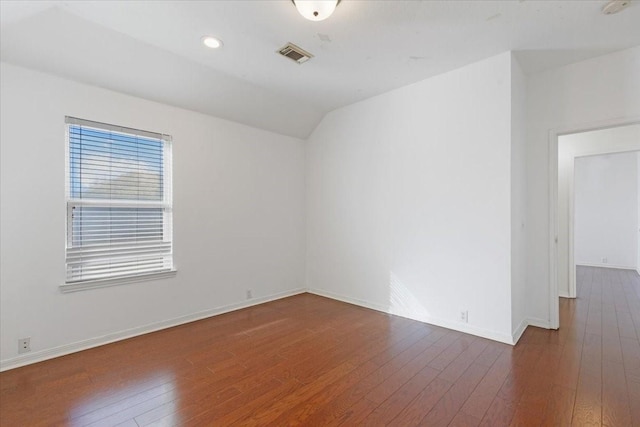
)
(464, 316)
(605, 260)
(24, 345)
(249, 294)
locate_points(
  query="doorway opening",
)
(568, 148)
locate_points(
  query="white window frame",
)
(166, 205)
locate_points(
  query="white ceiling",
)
(153, 50)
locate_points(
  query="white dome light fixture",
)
(316, 10)
(211, 42)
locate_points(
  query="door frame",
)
(554, 303)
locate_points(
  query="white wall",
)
(638, 223)
(518, 199)
(584, 94)
(611, 140)
(409, 201)
(606, 210)
(238, 217)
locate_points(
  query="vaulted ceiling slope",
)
(152, 49)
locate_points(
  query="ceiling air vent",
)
(295, 53)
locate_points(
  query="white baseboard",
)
(620, 267)
(531, 321)
(456, 326)
(563, 294)
(517, 334)
(62, 350)
(539, 323)
(349, 300)
(39, 356)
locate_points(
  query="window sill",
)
(116, 281)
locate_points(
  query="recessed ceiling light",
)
(211, 42)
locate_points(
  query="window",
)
(119, 209)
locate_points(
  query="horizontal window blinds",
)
(119, 211)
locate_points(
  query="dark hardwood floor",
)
(312, 361)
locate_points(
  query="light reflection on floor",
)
(261, 327)
(157, 391)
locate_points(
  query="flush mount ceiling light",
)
(211, 42)
(316, 10)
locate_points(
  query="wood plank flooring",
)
(312, 361)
